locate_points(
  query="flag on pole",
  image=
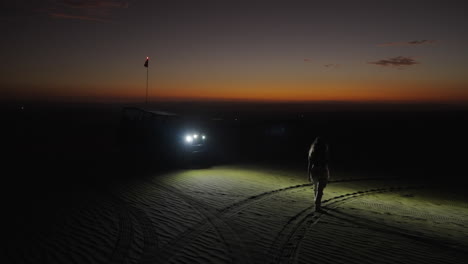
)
(146, 62)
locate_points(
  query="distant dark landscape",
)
(417, 140)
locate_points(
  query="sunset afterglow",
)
(236, 51)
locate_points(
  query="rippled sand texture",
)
(254, 214)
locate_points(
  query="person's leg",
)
(315, 190)
(314, 181)
(319, 193)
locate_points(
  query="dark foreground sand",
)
(247, 214)
(69, 195)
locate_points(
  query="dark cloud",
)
(94, 3)
(91, 10)
(20, 9)
(67, 16)
(331, 65)
(408, 43)
(396, 62)
(420, 42)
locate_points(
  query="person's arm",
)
(309, 164)
(309, 169)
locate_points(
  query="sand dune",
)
(253, 214)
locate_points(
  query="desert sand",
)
(251, 214)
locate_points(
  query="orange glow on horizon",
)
(264, 91)
(325, 91)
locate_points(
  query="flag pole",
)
(147, 66)
(146, 101)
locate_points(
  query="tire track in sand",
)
(125, 236)
(289, 239)
(212, 218)
(284, 248)
(215, 217)
(413, 213)
(150, 250)
(150, 236)
(126, 232)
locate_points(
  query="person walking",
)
(317, 169)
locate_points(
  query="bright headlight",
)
(203, 137)
(195, 136)
(188, 139)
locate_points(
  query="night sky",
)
(94, 50)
